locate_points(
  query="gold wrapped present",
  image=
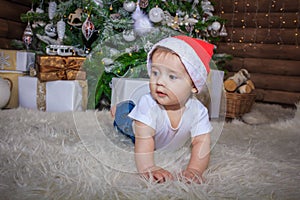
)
(12, 76)
(16, 60)
(51, 68)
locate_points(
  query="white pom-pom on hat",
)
(194, 53)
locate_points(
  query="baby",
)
(170, 114)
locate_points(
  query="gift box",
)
(215, 89)
(12, 76)
(53, 96)
(51, 68)
(128, 89)
(16, 60)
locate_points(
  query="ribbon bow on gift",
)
(59, 68)
(68, 65)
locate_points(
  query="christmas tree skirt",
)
(80, 156)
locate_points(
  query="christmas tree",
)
(115, 35)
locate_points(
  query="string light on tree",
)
(281, 25)
(296, 22)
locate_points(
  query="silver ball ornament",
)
(156, 15)
(129, 6)
(216, 25)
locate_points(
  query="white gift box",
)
(16, 60)
(128, 89)
(215, 87)
(133, 88)
(52, 96)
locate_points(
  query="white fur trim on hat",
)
(192, 62)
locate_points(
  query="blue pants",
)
(122, 122)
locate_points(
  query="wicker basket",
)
(238, 104)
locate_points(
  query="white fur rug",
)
(79, 156)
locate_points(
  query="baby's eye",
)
(154, 73)
(172, 77)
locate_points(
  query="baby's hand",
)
(191, 175)
(158, 174)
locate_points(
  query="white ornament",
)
(156, 15)
(129, 6)
(50, 30)
(216, 26)
(223, 32)
(142, 24)
(52, 9)
(61, 29)
(129, 35)
(27, 36)
(5, 86)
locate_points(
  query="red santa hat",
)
(194, 53)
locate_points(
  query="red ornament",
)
(88, 28)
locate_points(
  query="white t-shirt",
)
(194, 122)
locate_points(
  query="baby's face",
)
(170, 84)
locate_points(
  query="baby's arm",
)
(199, 158)
(113, 111)
(144, 154)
